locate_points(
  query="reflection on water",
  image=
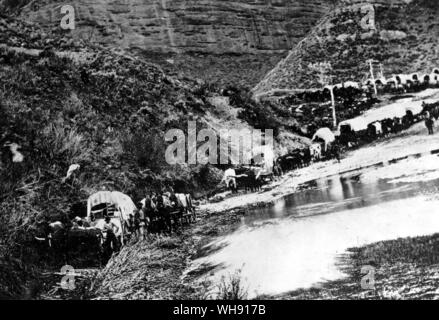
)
(335, 194)
(294, 244)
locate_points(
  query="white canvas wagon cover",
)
(397, 109)
(124, 204)
(325, 134)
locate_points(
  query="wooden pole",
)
(373, 77)
(381, 70)
(334, 116)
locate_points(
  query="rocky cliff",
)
(239, 40)
(400, 34)
(214, 26)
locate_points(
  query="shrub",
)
(146, 149)
(231, 288)
(63, 145)
(259, 115)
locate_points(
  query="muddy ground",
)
(153, 269)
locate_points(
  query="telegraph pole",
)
(331, 89)
(334, 117)
(381, 70)
(323, 69)
(373, 77)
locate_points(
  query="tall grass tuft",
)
(232, 287)
(63, 144)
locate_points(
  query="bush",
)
(146, 149)
(231, 288)
(13, 4)
(63, 145)
(259, 115)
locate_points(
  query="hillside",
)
(107, 113)
(65, 104)
(103, 111)
(404, 41)
(104, 95)
(221, 41)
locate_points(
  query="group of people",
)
(108, 232)
(160, 212)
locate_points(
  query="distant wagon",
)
(351, 131)
(324, 135)
(322, 141)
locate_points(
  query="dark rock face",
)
(213, 26)
(221, 41)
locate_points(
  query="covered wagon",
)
(114, 204)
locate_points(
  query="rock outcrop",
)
(223, 41)
(240, 41)
(214, 26)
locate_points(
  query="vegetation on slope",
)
(404, 42)
(109, 117)
(63, 105)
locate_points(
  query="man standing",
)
(110, 229)
(130, 225)
(429, 123)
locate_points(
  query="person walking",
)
(130, 226)
(429, 123)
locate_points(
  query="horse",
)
(164, 216)
(253, 182)
(316, 152)
(293, 160)
(387, 126)
(72, 245)
(184, 202)
(397, 125)
(277, 170)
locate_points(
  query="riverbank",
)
(158, 268)
(403, 269)
(155, 269)
(380, 152)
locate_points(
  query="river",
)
(295, 243)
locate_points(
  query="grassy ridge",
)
(404, 42)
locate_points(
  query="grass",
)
(231, 287)
(404, 269)
(167, 242)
